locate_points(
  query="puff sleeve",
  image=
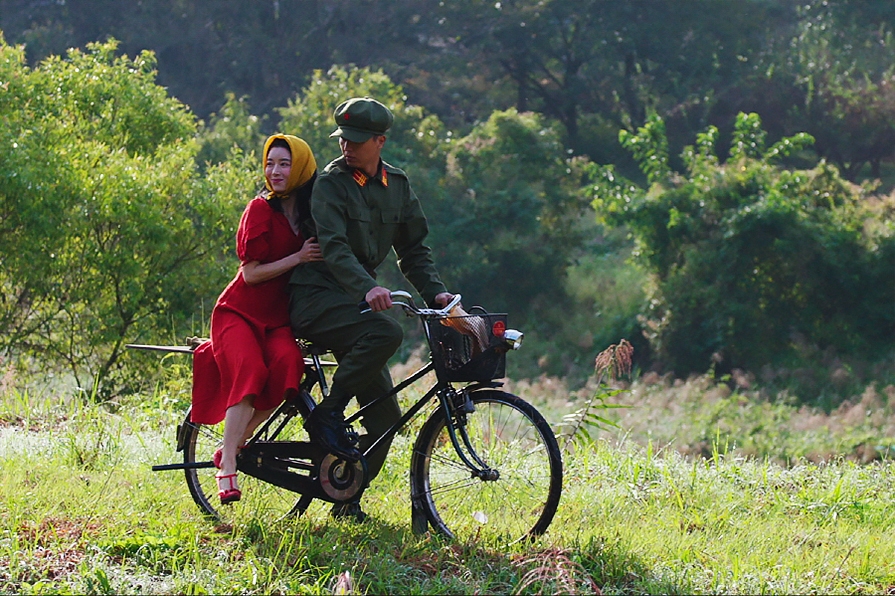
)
(254, 234)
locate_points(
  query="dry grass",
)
(553, 571)
(699, 415)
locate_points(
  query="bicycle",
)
(485, 463)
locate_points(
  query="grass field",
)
(700, 489)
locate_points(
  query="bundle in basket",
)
(468, 347)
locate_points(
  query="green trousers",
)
(362, 344)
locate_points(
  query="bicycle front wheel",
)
(512, 438)
(258, 498)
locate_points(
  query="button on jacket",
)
(359, 220)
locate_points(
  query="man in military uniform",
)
(363, 208)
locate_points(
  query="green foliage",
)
(579, 424)
(620, 60)
(414, 141)
(593, 66)
(650, 148)
(590, 67)
(608, 291)
(233, 127)
(616, 360)
(835, 80)
(751, 261)
(106, 225)
(510, 211)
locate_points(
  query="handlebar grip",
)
(363, 306)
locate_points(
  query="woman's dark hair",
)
(280, 143)
(303, 208)
(302, 196)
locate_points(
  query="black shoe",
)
(349, 511)
(329, 429)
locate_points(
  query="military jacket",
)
(359, 220)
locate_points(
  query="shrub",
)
(751, 262)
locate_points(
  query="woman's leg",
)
(236, 421)
(258, 417)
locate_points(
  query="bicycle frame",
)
(443, 389)
(484, 462)
(308, 469)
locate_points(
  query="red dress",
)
(252, 350)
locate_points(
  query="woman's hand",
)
(310, 252)
(255, 272)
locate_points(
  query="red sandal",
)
(231, 493)
(219, 455)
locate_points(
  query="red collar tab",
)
(362, 178)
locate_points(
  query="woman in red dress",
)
(252, 363)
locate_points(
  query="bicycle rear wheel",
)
(510, 436)
(258, 498)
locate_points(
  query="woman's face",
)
(277, 168)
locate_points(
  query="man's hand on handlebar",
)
(379, 299)
(443, 299)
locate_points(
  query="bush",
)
(108, 233)
(753, 262)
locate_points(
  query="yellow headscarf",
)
(303, 163)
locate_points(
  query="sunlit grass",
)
(82, 512)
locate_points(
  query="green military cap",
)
(361, 118)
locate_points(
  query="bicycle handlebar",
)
(409, 305)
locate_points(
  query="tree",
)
(574, 61)
(265, 51)
(830, 74)
(233, 127)
(108, 233)
(753, 262)
(509, 216)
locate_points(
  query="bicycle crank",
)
(342, 480)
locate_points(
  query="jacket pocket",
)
(391, 216)
(358, 213)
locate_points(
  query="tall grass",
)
(81, 512)
(700, 415)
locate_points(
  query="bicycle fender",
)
(182, 431)
(479, 385)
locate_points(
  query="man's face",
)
(362, 155)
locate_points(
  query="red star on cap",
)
(346, 116)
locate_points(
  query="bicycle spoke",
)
(451, 461)
(455, 485)
(520, 499)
